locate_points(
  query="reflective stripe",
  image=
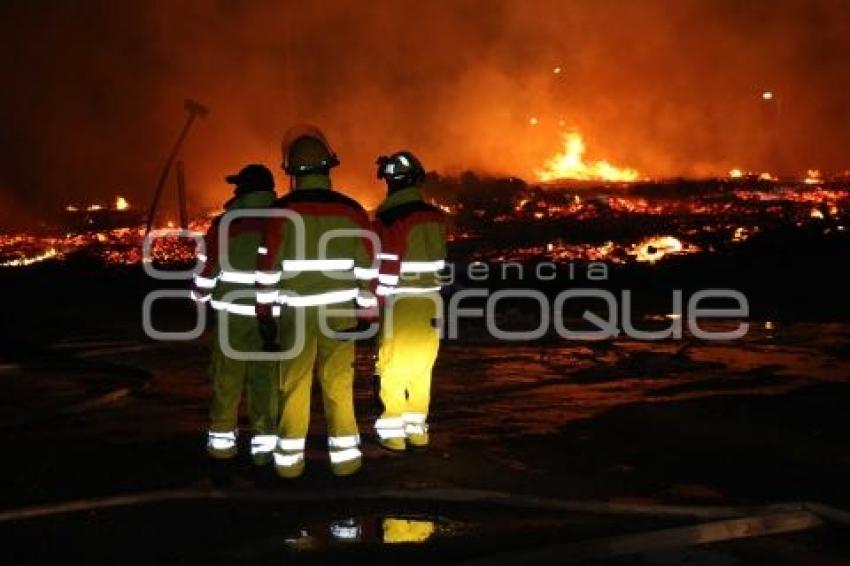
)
(365, 273)
(267, 277)
(242, 310)
(238, 277)
(291, 443)
(317, 264)
(221, 440)
(390, 432)
(352, 441)
(338, 456)
(230, 435)
(414, 423)
(263, 443)
(328, 298)
(390, 427)
(422, 266)
(233, 308)
(199, 297)
(365, 299)
(287, 460)
(413, 417)
(391, 422)
(385, 279)
(267, 297)
(390, 257)
(262, 250)
(202, 282)
(413, 428)
(384, 290)
(202, 257)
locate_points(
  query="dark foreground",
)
(536, 448)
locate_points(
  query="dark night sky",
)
(93, 90)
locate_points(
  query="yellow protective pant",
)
(409, 342)
(229, 378)
(334, 359)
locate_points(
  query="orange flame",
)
(570, 164)
(813, 177)
(121, 203)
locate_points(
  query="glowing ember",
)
(813, 177)
(570, 165)
(94, 207)
(71, 208)
(23, 261)
(121, 204)
(653, 249)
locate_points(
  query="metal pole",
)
(195, 109)
(181, 195)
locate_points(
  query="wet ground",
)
(102, 411)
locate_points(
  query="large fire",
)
(570, 164)
(691, 224)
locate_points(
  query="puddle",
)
(374, 529)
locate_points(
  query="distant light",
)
(533, 121)
(121, 203)
(767, 95)
(736, 174)
(557, 70)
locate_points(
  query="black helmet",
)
(305, 150)
(251, 178)
(401, 169)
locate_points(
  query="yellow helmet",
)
(306, 150)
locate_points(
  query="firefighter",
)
(230, 289)
(317, 290)
(413, 250)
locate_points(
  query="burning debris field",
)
(562, 223)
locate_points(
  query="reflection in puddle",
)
(409, 529)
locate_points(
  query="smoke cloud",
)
(93, 90)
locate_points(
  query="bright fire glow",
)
(94, 207)
(20, 262)
(570, 164)
(736, 174)
(813, 177)
(653, 249)
(121, 204)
